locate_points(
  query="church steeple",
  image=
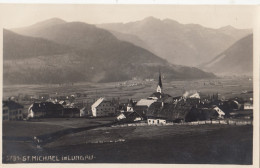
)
(159, 87)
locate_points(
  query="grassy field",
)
(203, 144)
(113, 134)
(48, 125)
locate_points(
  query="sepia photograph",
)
(150, 84)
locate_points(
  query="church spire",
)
(159, 87)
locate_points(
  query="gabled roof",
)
(45, 107)
(145, 102)
(131, 115)
(12, 105)
(97, 103)
(219, 111)
(169, 111)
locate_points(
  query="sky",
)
(213, 16)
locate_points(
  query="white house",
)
(156, 121)
(219, 111)
(102, 108)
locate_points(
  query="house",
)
(102, 108)
(156, 121)
(12, 110)
(248, 106)
(175, 112)
(205, 113)
(129, 116)
(45, 109)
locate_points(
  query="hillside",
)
(238, 59)
(91, 54)
(184, 44)
(19, 47)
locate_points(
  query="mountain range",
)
(183, 44)
(237, 59)
(55, 51)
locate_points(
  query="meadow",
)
(204, 144)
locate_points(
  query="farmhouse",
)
(129, 116)
(204, 113)
(102, 108)
(156, 121)
(12, 110)
(45, 109)
(176, 112)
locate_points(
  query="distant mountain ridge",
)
(184, 44)
(237, 59)
(20, 47)
(88, 54)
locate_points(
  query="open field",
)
(226, 87)
(204, 144)
(48, 125)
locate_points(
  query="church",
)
(159, 96)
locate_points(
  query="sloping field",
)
(207, 144)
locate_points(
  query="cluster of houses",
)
(158, 108)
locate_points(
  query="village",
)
(159, 108)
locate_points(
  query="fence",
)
(216, 122)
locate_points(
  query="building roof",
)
(145, 102)
(45, 107)
(97, 103)
(12, 105)
(218, 110)
(131, 115)
(169, 111)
